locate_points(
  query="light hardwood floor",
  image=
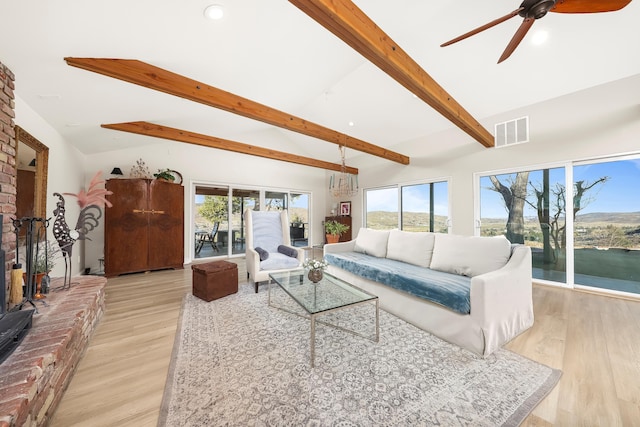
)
(593, 339)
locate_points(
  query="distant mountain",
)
(610, 217)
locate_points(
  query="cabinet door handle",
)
(152, 211)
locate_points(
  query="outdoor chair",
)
(202, 238)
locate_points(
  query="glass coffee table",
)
(329, 294)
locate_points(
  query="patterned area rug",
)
(239, 362)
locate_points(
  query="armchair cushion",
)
(267, 232)
(288, 251)
(263, 254)
(278, 261)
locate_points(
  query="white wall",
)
(601, 121)
(66, 174)
(208, 165)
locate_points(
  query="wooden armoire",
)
(144, 229)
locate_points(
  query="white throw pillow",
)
(469, 255)
(372, 242)
(411, 247)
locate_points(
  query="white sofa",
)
(474, 292)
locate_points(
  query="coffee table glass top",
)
(328, 294)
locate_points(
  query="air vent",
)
(512, 132)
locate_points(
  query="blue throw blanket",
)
(449, 290)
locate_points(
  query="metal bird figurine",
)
(90, 203)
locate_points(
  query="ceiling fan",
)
(531, 10)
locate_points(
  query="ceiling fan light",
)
(539, 37)
(214, 12)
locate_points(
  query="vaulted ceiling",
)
(271, 52)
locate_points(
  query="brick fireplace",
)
(33, 378)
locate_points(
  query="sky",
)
(620, 193)
(415, 198)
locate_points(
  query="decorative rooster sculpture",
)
(90, 203)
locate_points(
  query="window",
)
(221, 208)
(381, 208)
(606, 237)
(528, 207)
(582, 221)
(242, 200)
(423, 207)
(299, 218)
(211, 207)
(275, 201)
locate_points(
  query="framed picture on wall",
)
(345, 208)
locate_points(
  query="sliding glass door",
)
(218, 217)
(241, 201)
(299, 217)
(606, 213)
(528, 207)
(582, 220)
(211, 221)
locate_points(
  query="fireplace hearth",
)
(34, 377)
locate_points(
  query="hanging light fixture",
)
(343, 184)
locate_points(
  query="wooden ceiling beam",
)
(345, 20)
(158, 131)
(152, 77)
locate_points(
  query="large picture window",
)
(412, 207)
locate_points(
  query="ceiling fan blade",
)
(484, 27)
(588, 6)
(517, 38)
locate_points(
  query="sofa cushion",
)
(411, 247)
(372, 242)
(469, 255)
(449, 290)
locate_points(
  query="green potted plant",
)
(297, 221)
(334, 229)
(166, 174)
(45, 258)
(43, 262)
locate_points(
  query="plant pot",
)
(37, 280)
(333, 238)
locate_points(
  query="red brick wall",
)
(7, 166)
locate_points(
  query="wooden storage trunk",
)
(214, 280)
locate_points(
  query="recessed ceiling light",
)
(214, 11)
(351, 124)
(539, 37)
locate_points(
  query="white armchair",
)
(267, 230)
